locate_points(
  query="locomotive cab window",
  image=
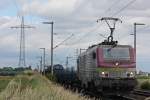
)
(94, 55)
(116, 53)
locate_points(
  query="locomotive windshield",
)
(116, 53)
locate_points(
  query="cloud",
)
(49, 8)
(76, 17)
(4, 4)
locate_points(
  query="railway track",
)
(137, 95)
(134, 95)
(142, 92)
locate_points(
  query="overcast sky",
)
(76, 17)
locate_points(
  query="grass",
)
(145, 85)
(4, 80)
(36, 87)
(33, 86)
(142, 80)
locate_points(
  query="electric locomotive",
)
(108, 65)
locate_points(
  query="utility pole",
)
(43, 59)
(38, 68)
(77, 53)
(41, 65)
(51, 44)
(22, 57)
(82, 50)
(67, 61)
(135, 24)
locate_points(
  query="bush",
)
(145, 85)
(28, 72)
(51, 77)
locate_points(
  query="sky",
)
(77, 17)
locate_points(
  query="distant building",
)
(143, 73)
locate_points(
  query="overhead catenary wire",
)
(122, 9)
(140, 29)
(87, 33)
(111, 6)
(94, 29)
(20, 13)
(63, 41)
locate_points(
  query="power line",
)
(63, 41)
(106, 12)
(86, 34)
(113, 4)
(127, 5)
(17, 8)
(19, 11)
(124, 36)
(123, 8)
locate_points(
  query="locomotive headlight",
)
(103, 73)
(131, 74)
(116, 63)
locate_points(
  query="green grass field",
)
(34, 87)
(4, 80)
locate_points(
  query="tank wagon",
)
(64, 76)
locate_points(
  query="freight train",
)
(64, 76)
(103, 67)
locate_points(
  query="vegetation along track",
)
(134, 95)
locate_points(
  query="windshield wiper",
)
(112, 47)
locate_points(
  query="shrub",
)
(145, 85)
(51, 77)
(28, 72)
